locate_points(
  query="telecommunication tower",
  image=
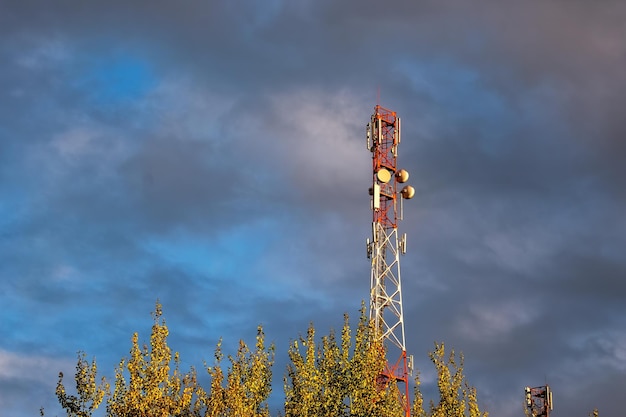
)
(538, 401)
(385, 246)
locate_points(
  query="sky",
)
(211, 155)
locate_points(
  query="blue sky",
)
(211, 155)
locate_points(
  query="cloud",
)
(35, 373)
(212, 155)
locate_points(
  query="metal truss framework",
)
(538, 401)
(385, 247)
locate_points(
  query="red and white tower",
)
(538, 401)
(385, 247)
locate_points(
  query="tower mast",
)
(538, 401)
(385, 247)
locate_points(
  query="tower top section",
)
(383, 138)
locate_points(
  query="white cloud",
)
(520, 250)
(496, 319)
(83, 150)
(323, 136)
(180, 108)
(74, 143)
(44, 53)
(35, 368)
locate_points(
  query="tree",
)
(326, 376)
(150, 382)
(456, 397)
(417, 409)
(146, 385)
(89, 393)
(333, 380)
(368, 397)
(249, 380)
(214, 402)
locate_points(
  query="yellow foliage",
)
(90, 393)
(456, 397)
(325, 377)
(338, 380)
(154, 389)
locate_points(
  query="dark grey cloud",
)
(211, 155)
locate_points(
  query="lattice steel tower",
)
(538, 401)
(385, 247)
